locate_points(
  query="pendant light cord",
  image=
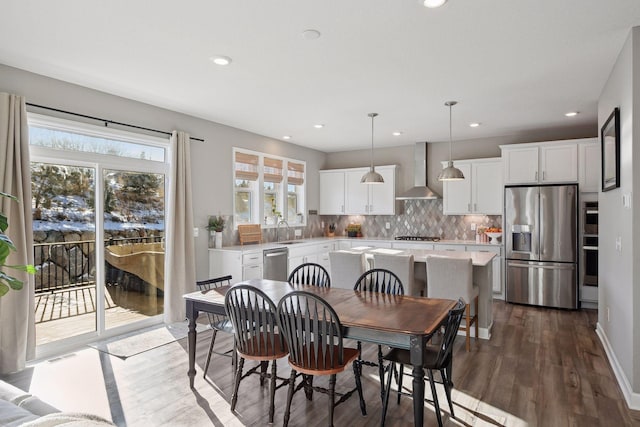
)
(450, 105)
(372, 117)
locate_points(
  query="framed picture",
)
(610, 145)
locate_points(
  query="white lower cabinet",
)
(317, 253)
(241, 266)
(496, 264)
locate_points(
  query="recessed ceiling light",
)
(286, 137)
(434, 3)
(571, 114)
(474, 125)
(318, 126)
(311, 34)
(396, 133)
(220, 60)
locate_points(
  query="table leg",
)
(192, 315)
(417, 345)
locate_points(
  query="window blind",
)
(295, 173)
(272, 170)
(246, 166)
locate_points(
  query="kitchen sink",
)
(290, 242)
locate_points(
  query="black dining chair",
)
(216, 321)
(253, 316)
(436, 358)
(383, 281)
(310, 273)
(313, 333)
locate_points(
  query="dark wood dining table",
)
(395, 320)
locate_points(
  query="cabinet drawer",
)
(408, 245)
(299, 250)
(445, 247)
(484, 248)
(252, 258)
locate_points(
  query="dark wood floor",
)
(542, 367)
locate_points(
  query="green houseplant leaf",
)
(7, 281)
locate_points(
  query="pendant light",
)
(372, 177)
(450, 173)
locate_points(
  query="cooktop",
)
(419, 238)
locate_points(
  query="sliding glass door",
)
(98, 209)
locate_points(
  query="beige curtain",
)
(180, 267)
(17, 325)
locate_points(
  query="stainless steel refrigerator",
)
(541, 245)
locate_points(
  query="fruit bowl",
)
(493, 236)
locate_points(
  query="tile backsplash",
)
(420, 217)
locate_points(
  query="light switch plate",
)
(387, 225)
(196, 231)
(626, 200)
(298, 232)
(619, 244)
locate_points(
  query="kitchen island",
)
(482, 277)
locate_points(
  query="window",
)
(267, 189)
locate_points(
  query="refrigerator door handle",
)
(543, 266)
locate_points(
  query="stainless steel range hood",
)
(420, 191)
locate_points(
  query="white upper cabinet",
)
(331, 192)
(558, 163)
(541, 162)
(354, 197)
(479, 193)
(486, 180)
(520, 165)
(589, 166)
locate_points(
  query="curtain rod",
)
(106, 121)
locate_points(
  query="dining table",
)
(399, 321)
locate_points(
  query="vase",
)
(212, 239)
(218, 241)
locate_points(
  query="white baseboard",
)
(483, 333)
(632, 398)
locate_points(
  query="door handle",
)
(544, 267)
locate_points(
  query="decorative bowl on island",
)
(494, 236)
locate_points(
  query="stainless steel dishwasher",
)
(275, 264)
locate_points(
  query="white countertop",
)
(315, 240)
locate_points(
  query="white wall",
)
(618, 273)
(211, 160)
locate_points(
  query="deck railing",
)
(66, 265)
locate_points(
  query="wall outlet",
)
(298, 232)
(387, 225)
(473, 226)
(196, 231)
(619, 244)
(321, 224)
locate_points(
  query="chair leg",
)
(381, 372)
(357, 372)
(332, 395)
(476, 316)
(287, 411)
(385, 400)
(213, 340)
(435, 397)
(467, 312)
(236, 385)
(263, 372)
(308, 386)
(447, 389)
(272, 390)
(400, 376)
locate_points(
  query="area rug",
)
(142, 341)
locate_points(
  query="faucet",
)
(282, 221)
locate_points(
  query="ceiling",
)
(514, 66)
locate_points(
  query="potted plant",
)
(6, 246)
(353, 230)
(215, 227)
